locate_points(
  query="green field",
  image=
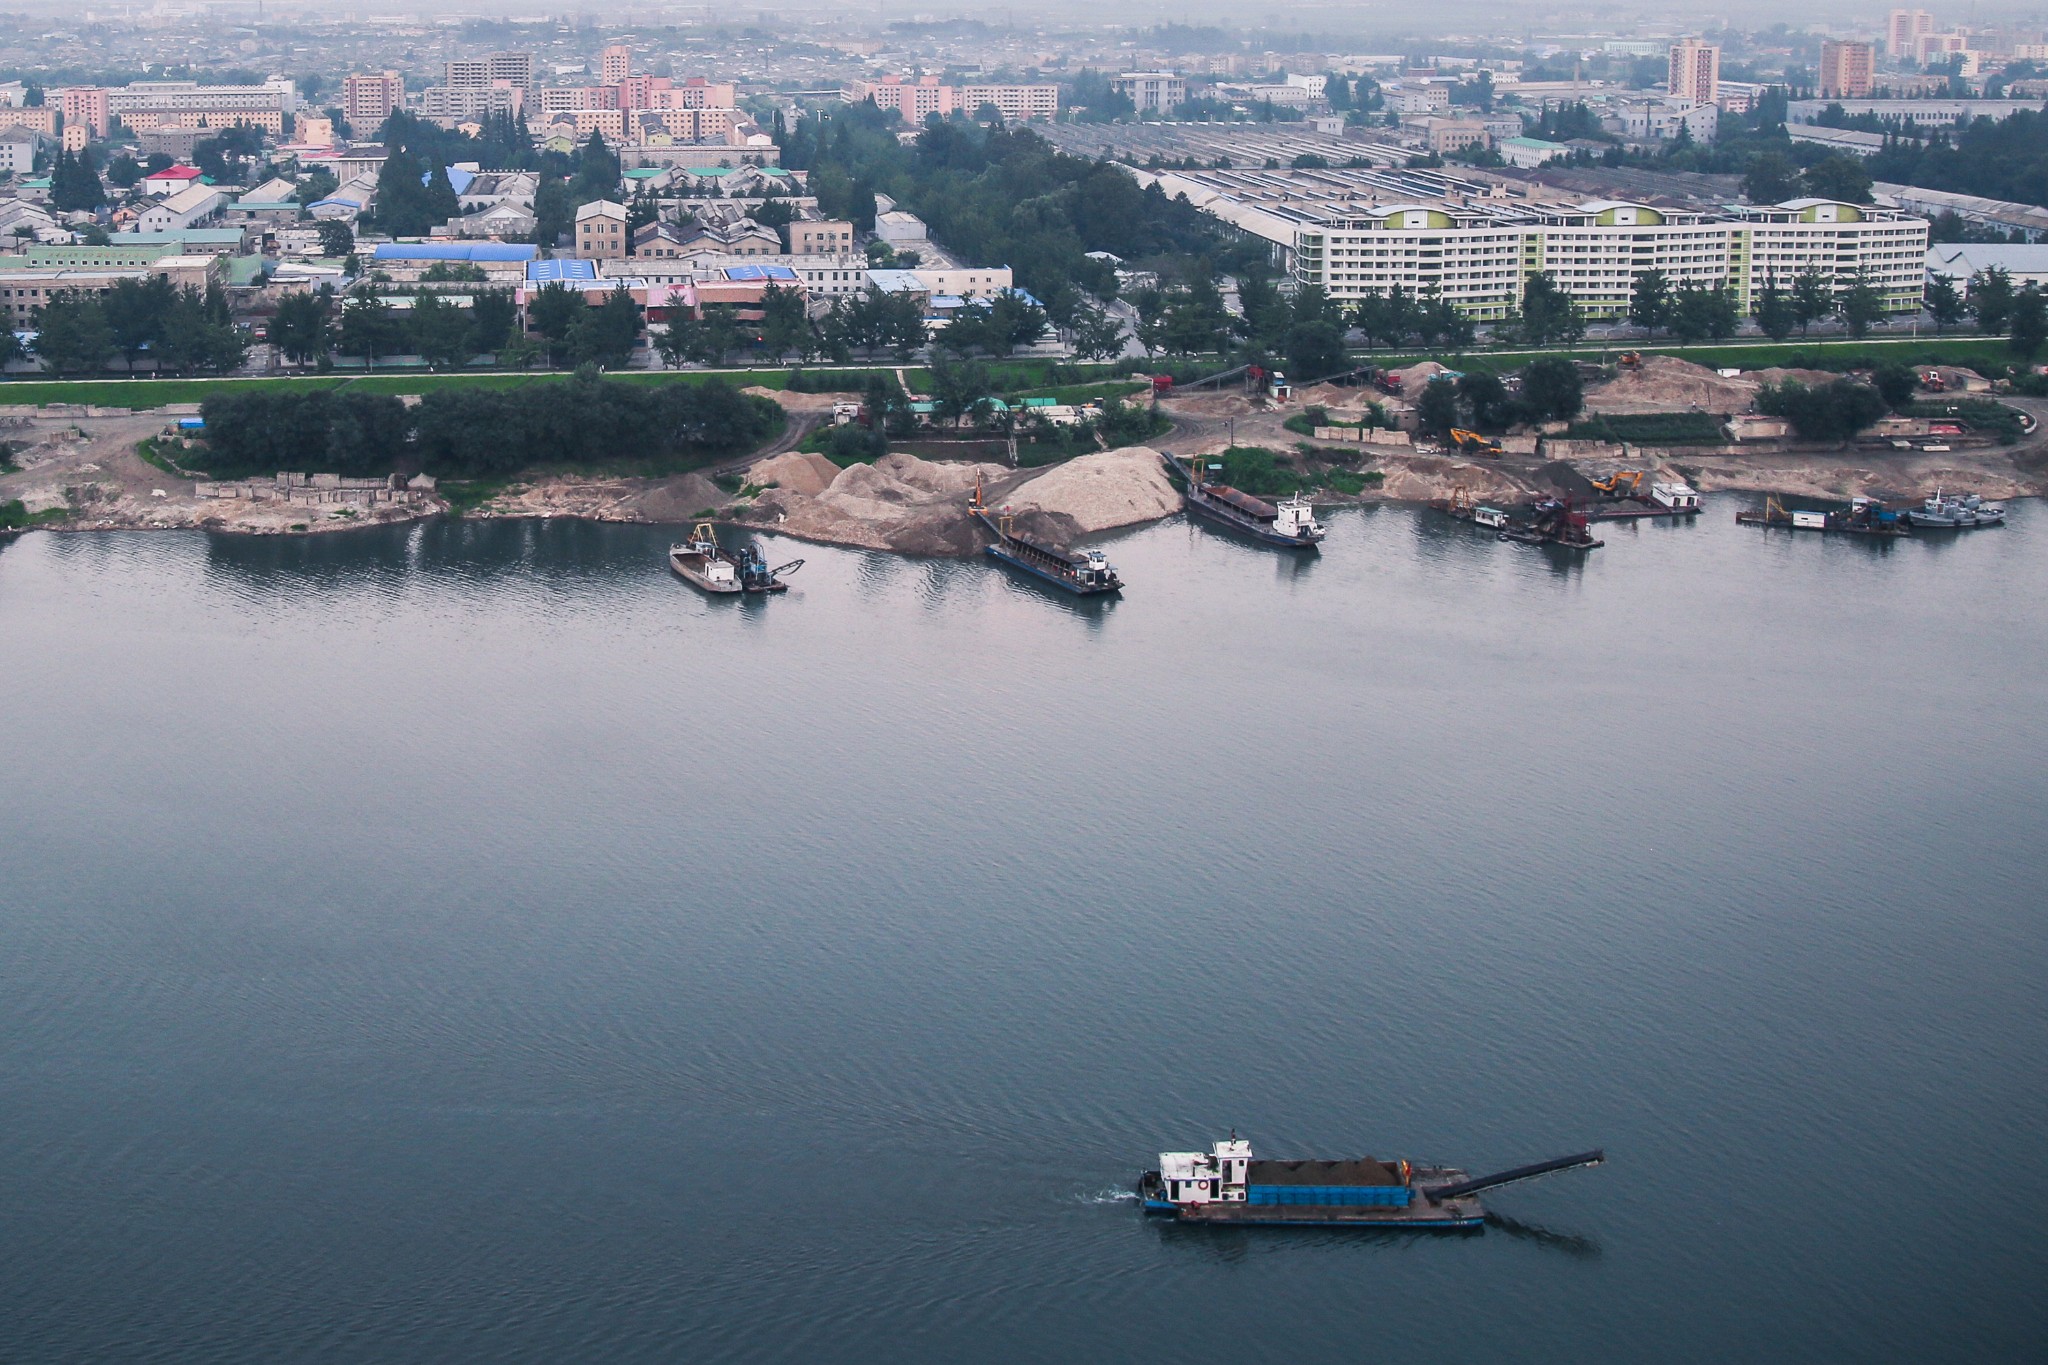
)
(1651, 428)
(155, 393)
(1035, 377)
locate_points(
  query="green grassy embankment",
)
(139, 394)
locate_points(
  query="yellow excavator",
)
(1626, 483)
(1472, 443)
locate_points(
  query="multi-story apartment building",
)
(515, 68)
(452, 104)
(276, 94)
(86, 105)
(41, 118)
(615, 63)
(1696, 71)
(913, 99)
(1903, 31)
(1357, 234)
(1016, 103)
(1152, 91)
(1847, 70)
(366, 101)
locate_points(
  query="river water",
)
(464, 941)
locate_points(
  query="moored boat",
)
(1228, 1186)
(703, 562)
(1085, 573)
(1943, 512)
(1290, 524)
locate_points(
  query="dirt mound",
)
(897, 503)
(1421, 478)
(1097, 492)
(1667, 384)
(681, 499)
(1337, 396)
(810, 474)
(1228, 403)
(792, 401)
(1810, 378)
(1416, 378)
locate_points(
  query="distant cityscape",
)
(699, 170)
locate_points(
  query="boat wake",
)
(1110, 1196)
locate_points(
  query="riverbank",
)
(96, 472)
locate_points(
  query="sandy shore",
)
(91, 466)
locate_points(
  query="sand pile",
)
(1336, 396)
(1204, 403)
(1421, 478)
(792, 401)
(1666, 384)
(1416, 378)
(897, 503)
(1812, 379)
(1097, 492)
(681, 499)
(918, 506)
(799, 472)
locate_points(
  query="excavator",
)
(1472, 443)
(1625, 483)
(1631, 360)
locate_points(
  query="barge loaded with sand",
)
(1289, 524)
(1087, 573)
(1228, 1187)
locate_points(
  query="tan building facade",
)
(601, 230)
(1847, 70)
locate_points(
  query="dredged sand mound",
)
(915, 506)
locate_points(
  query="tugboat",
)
(1290, 524)
(1087, 574)
(704, 563)
(1228, 1187)
(1967, 513)
(756, 576)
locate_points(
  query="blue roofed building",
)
(561, 270)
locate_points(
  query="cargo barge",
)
(1663, 500)
(1862, 517)
(1228, 1187)
(1289, 524)
(1085, 574)
(700, 560)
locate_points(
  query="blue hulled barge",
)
(1227, 1186)
(1086, 573)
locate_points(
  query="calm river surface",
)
(465, 941)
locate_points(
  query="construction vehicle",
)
(1631, 360)
(1625, 483)
(1389, 382)
(1932, 381)
(1472, 443)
